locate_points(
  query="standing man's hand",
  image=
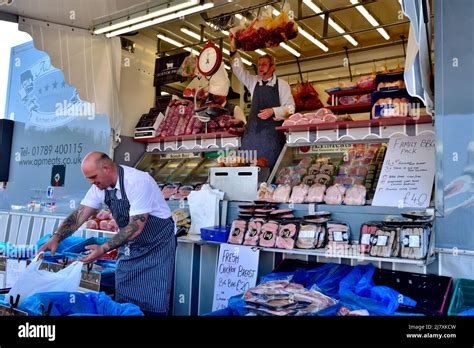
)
(96, 252)
(266, 113)
(51, 244)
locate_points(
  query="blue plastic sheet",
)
(469, 312)
(76, 303)
(276, 276)
(65, 244)
(358, 289)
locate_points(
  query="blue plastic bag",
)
(77, 303)
(325, 279)
(276, 276)
(357, 289)
(65, 244)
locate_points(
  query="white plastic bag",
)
(204, 208)
(33, 280)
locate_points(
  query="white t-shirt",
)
(143, 194)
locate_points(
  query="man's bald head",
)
(99, 169)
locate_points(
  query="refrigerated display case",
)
(183, 168)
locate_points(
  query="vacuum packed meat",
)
(299, 193)
(237, 232)
(254, 229)
(269, 234)
(334, 194)
(282, 194)
(355, 195)
(316, 193)
(286, 235)
(367, 231)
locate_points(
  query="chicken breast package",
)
(237, 232)
(282, 194)
(355, 195)
(299, 193)
(287, 234)
(269, 234)
(334, 194)
(316, 193)
(307, 236)
(254, 229)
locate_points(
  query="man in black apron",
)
(146, 239)
(272, 103)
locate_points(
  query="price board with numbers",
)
(407, 176)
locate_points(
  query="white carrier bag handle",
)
(33, 280)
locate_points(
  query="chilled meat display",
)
(316, 193)
(366, 82)
(322, 115)
(183, 193)
(269, 234)
(286, 235)
(237, 232)
(299, 193)
(170, 190)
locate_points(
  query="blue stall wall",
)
(52, 127)
(454, 76)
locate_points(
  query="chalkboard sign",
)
(406, 180)
(236, 272)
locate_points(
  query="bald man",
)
(146, 241)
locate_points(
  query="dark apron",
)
(145, 265)
(260, 135)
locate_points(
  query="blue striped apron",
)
(145, 265)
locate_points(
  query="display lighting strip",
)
(162, 19)
(148, 16)
(306, 35)
(198, 37)
(371, 19)
(331, 22)
(179, 44)
(290, 49)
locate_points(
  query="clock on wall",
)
(209, 59)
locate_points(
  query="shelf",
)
(351, 109)
(327, 253)
(216, 135)
(353, 91)
(383, 121)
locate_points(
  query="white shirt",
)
(142, 191)
(287, 103)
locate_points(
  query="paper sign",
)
(406, 180)
(14, 269)
(236, 272)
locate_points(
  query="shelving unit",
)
(354, 108)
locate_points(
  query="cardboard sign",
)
(406, 180)
(236, 272)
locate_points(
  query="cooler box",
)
(216, 233)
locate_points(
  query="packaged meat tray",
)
(269, 234)
(367, 232)
(307, 235)
(316, 193)
(338, 232)
(334, 194)
(237, 232)
(385, 242)
(254, 230)
(299, 193)
(282, 194)
(414, 241)
(287, 234)
(355, 195)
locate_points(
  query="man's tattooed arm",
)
(74, 221)
(132, 230)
